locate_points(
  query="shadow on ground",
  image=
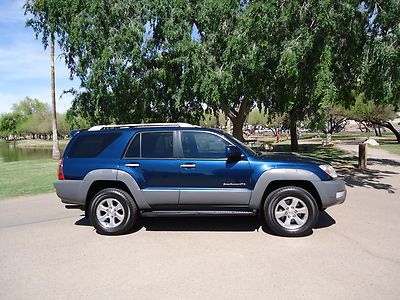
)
(367, 178)
(233, 224)
(383, 161)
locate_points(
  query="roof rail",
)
(121, 126)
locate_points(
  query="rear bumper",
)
(71, 191)
(331, 192)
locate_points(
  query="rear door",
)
(207, 177)
(150, 159)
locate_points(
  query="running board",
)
(196, 213)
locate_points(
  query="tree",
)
(45, 21)
(258, 117)
(75, 120)
(8, 125)
(377, 115)
(29, 106)
(133, 59)
(230, 79)
(33, 112)
(152, 60)
(330, 118)
(380, 78)
(314, 49)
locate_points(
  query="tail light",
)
(60, 169)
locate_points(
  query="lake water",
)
(9, 154)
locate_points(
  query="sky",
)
(25, 65)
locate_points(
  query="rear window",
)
(87, 146)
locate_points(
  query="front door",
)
(207, 177)
(150, 159)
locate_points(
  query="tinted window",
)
(91, 145)
(203, 145)
(157, 145)
(134, 147)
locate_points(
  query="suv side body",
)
(184, 170)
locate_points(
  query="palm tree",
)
(56, 146)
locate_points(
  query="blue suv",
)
(117, 173)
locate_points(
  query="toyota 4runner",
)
(117, 173)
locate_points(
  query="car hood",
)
(290, 158)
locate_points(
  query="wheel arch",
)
(98, 185)
(273, 179)
(112, 178)
(304, 184)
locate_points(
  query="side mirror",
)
(233, 152)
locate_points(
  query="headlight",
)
(329, 170)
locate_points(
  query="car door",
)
(150, 159)
(207, 176)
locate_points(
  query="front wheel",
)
(290, 211)
(113, 211)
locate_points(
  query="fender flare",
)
(277, 174)
(115, 175)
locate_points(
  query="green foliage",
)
(9, 124)
(258, 117)
(209, 120)
(380, 80)
(30, 117)
(159, 60)
(329, 118)
(133, 57)
(74, 120)
(369, 111)
(30, 106)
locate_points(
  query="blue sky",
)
(24, 64)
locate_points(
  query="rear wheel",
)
(290, 211)
(113, 211)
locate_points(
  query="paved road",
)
(50, 252)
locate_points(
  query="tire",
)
(113, 212)
(290, 211)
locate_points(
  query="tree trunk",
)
(389, 126)
(376, 130)
(56, 147)
(294, 143)
(238, 117)
(238, 128)
(394, 130)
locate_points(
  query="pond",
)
(8, 153)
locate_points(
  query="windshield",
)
(247, 147)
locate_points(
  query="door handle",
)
(188, 166)
(132, 165)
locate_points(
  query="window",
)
(134, 147)
(92, 145)
(203, 145)
(157, 144)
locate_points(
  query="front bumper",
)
(331, 192)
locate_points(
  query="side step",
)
(196, 213)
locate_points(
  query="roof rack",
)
(121, 126)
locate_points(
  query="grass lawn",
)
(27, 177)
(391, 146)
